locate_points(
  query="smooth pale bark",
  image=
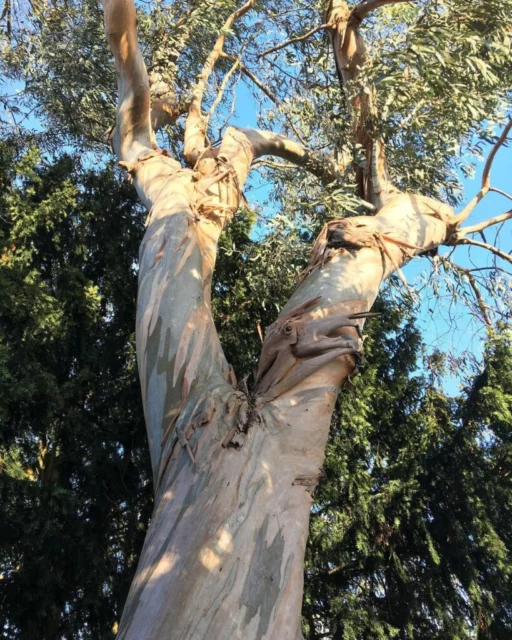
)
(235, 470)
(224, 554)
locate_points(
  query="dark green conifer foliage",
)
(75, 495)
(411, 531)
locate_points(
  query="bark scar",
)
(309, 482)
(300, 343)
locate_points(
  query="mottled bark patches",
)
(263, 583)
(147, 567)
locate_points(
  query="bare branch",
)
(195, 127)
(287, 43)
(501, 193)
(484, 245)
(483, 225)
(367, 6)
(269, 95)
(222, 88)
(486, 177)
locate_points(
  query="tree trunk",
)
(224, 553)
(235, 468)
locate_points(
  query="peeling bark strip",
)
(298, 344)
(235, 470)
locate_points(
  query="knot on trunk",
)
(241, 409)
(302, 341)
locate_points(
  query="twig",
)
(473, 284)
(287, 43)
(269, 95)
(222, 88)
(484, 245)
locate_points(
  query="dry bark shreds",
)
(131, 167)
(298, 344)
(221, 204)
(346, 234)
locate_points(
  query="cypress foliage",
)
(410, 534)
(75, 494)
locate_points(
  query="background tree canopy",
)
(411, 527)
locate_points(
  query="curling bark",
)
(235, 468)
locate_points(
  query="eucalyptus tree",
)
(235, 464)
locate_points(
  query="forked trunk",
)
(235, 472)
(235, 467)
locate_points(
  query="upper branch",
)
(367, 6)
(195, 128)
(350, 54)
(264, 143)
(132, 136)
(477, 228)
(486, 176)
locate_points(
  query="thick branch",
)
(195, 128)
(264, 143)
(132, 136)
(483, 225)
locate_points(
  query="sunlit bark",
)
(235, 468)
